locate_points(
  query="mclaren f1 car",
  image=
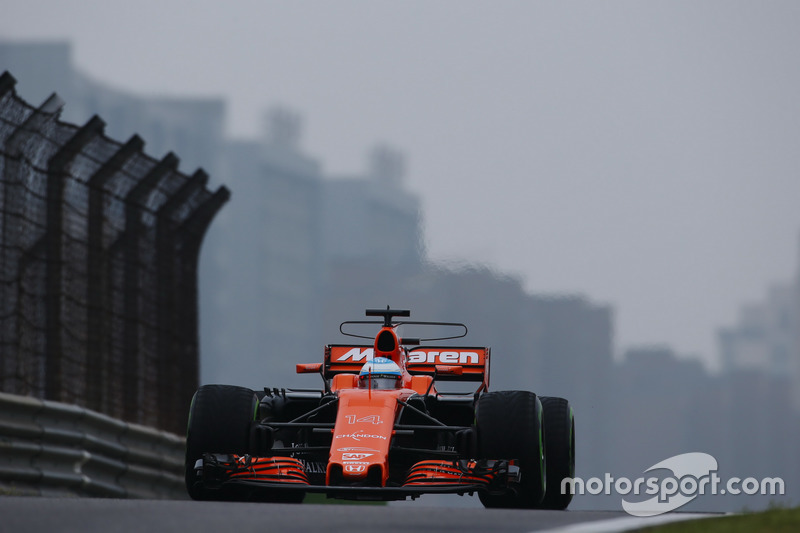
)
(380, 429)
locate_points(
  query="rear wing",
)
(348, 358)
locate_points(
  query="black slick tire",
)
(559, 437)
(510, 427)
(220, 418)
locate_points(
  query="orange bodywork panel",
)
(309, 368)
(344, 381)
(422, 384)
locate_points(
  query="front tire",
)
(559, 437)
(220, 417)
(510, 427)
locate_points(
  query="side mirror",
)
(449, 370)
(309, 368)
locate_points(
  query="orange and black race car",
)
(380, 429)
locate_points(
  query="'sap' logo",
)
(354, 456)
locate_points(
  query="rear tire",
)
(510, 427)
(220, 417)
(559, 438)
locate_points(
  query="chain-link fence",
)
(99, 247)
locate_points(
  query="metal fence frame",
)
(99, 249)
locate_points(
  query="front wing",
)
(234, 473)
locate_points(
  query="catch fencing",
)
(99, 247)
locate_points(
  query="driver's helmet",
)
(380, 373)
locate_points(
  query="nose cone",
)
(361, 437)
(357, 464)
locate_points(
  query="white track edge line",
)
(626, 523)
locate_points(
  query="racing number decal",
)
(375, 419)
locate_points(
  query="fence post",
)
(172, 412)
(98, 284)
(7, 373)
(134, 206)
(56, 178)
(192, 233)
(7, 83)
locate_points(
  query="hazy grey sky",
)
(643, 153)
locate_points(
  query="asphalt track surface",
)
(20, 514)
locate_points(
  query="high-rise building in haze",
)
(764, 336)
(265, 262)
(373, 215)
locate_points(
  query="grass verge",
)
(773, 521)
